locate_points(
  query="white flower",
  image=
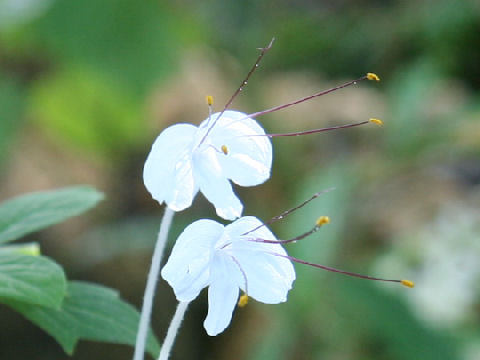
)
(186, 158)
(226, 259)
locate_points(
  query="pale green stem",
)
(151, 284)
(173, 330)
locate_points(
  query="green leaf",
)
(31, 279)
(89, 312)
(25, 214)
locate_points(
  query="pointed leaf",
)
(88, 312)
(25, 214)
(31, 279)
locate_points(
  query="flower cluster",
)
(243, 255)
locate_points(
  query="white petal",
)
(269, 277)
(215, 186)
(168, 172)
(222, 298)
(249, 158)
(188, 268)
(236, 230)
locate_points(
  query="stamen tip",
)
(376, 121)
(372, 76)
(407, 283)
(243, 301)
(322, 220)
(224, 149)
(209, 100)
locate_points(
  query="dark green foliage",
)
(36, 286)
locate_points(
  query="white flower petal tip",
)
(185, 159)
(227, 259)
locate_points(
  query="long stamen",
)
(289, 211)
(314, 131)
(263, 51)
(322, 220)
(407, 283)
(306, 98)
(368, 76)
(377, 122)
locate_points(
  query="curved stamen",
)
(377, 122)
(315, 131)
(306, 98)
(368, 76)
(243, 273)
(263, 51)
(300, 237)
(319, 223)
(289, 211)
(223, 149)
(406, 283)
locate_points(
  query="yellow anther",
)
(243, 301)
(224, 149)
(322, 220)
(376, 121)
(408, 283)
(210, 100)
(372, 76)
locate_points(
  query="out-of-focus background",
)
(86, 86)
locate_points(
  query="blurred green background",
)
(86, 86)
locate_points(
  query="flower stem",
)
(151, 284)
(173, 330)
